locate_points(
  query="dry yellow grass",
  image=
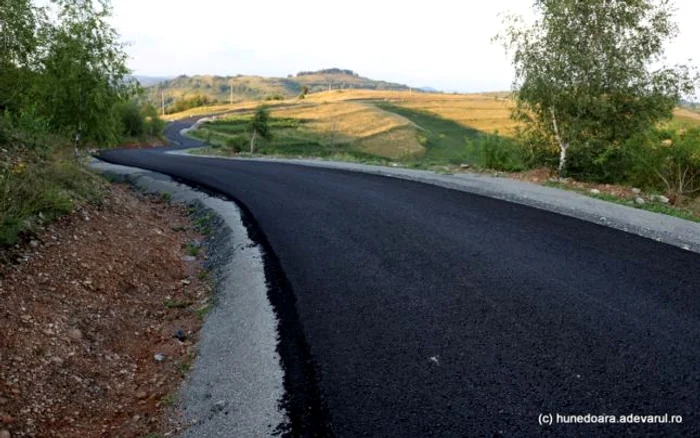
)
(685, 116)
(374, 130)
(487, 113)
(237, 106)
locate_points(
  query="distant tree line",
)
(328, 71)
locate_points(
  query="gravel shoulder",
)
(237, 383)
(662, 228)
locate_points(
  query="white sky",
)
(445, 44)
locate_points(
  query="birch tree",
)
(590, 73)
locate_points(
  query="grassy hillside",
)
(416, 128)
(220, 89)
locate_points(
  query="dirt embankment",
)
(98, 319)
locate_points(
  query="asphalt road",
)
(425, 311)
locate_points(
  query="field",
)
(410, 127)
(389, 125)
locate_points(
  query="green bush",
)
(133, 121)
(140, 122)
(664, 159)
(184, 104)
(237, 143)
(499, 153)
(274, 97)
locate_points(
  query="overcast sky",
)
(445, 44)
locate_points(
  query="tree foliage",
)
(588, 73)
(260, 126)
(66, 74)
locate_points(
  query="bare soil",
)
(86, 306)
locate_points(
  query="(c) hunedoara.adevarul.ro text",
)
(550, 419)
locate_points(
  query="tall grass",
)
(37, 188)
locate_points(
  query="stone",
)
(136, 418)
(219, 406)
(595, 191)
(465, 166)
(6, 419)
(662, 199)
(75, 334)
(180, 335)
(189, 258)
(5, 434)
(640, 201)
(636, 191)
(34, 244)
(141, 395)
(159, 357)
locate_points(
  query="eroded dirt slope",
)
(90, 316)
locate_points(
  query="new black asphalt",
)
(433, 312)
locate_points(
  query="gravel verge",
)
(237, 383)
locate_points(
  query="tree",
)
(259, 125)
(304, 91)
(21, 26)
(584, 75)
(86, 75)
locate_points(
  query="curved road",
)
(431, 312)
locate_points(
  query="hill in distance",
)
(147, 81)
(218, 88)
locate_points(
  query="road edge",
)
(237, 383)
(662, 228)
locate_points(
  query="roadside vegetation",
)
(64, 88)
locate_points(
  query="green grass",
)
(203, 223)
(36, 189)
(170, 400)
(446, 141)
(656, 207)
(290, 138)
(192, 249)
(203, 311)
(174, 304)
(183, 367)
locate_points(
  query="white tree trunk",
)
(562, 145)
(252, 142)
(562, 160)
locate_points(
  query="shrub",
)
(237, 143)
(665, 159)
(274, 97)
(499, 153)
(133, 122)
(537, 150)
